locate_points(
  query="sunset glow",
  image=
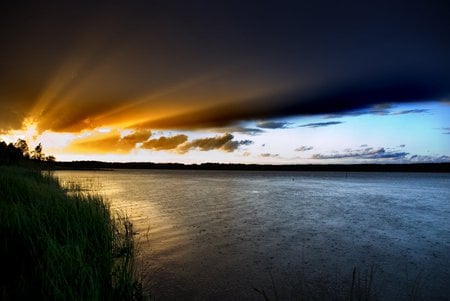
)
(110, 87)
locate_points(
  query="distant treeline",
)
(422, 167)
(12, 154)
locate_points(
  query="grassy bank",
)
(61, 246)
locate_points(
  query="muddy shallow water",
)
(209, 235)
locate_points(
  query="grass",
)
(56, 245)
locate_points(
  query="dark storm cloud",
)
(273, 124)
(367, 153)
(77, 65)
(320, 124)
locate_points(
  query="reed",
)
(61, 246)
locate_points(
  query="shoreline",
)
(62, 243)
(98, 165)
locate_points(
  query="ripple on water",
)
(217, 235)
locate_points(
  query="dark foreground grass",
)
(61, 246)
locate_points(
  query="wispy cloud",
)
(320, 124)
(379, 109)
(303, 148)
(273, 124)
(414, 111)
(239, 129)
(367, 153)
(446, 131)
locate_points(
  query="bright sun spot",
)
(30, 130)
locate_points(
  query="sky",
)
(278, 82)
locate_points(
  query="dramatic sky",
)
(228, 81)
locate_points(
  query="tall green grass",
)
(56, 245)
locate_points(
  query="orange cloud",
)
(112, 142)
(224, 143)
(165, 143)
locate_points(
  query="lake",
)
(225, 235)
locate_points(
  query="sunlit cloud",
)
(224, 143)
(109, 142)
(165, 143)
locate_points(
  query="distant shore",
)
(98, 165)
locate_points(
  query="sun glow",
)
(30, 131)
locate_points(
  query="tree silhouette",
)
(23, 146)
(19, 151)
(37, 154)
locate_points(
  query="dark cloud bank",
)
(295, 57)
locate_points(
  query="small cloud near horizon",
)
(366, 153)
(429, 159)
(269, 155)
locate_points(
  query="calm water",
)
(220, 234)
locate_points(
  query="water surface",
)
(220, 234)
